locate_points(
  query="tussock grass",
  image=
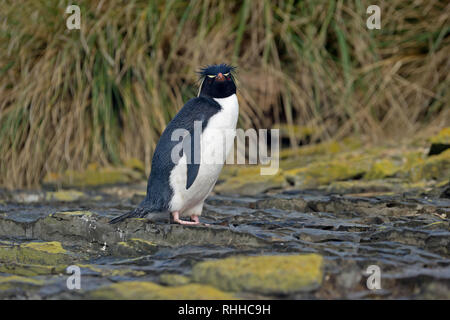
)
(105, 93)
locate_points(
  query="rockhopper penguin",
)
(180, 187)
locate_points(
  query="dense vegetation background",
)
(104, 93)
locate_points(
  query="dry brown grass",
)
(105, 93)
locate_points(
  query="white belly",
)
(216, 142)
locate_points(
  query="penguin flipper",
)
(192, 172)
(193, 117)
(193, 163)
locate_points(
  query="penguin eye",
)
(211, 76)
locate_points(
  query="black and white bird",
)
(179, 187)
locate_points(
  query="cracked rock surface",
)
(287, 243)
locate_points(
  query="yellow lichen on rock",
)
(40, 253)
(299, 132)
(248, 180)
(136, 290)
(350, 161)
(173, 279)
(12, 282)
(64, 195)
(262, 274)
(317, 173)
(443, 137)
(73, 213)
(124, 244)
(143, 241)
(93, 176)
(382, 168)
(20, 279)
(31, 270)
(134, 247)
(48, 247)
(435, 167)
(108, 272)
(135, 164)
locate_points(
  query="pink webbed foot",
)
(196, 219)
(176, 218)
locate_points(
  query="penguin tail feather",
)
(139, 212)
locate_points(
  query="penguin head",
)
(217, 81)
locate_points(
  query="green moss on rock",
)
(31, 270)
(435, 167)
(93, 176)
(151, 291)
(64, 195)
(262, 274)
(323, 172)
(134, 247)
(53, 247)
(249, 181)
(440, 142)
(73, 213)
(135, 164)
(382, 168)
(299, 133)
(173, 279)
(106, 271)
(40, 253)
(12, 282)
(442, 137)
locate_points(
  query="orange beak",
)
(220, 77)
